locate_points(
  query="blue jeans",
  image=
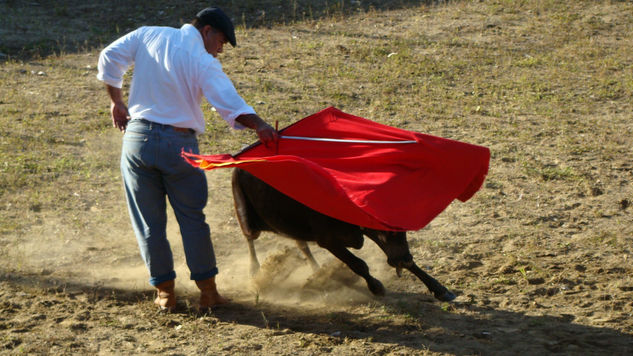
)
(153, 169)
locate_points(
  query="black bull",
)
(260, 207)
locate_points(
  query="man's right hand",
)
(118, 109)
(120, 115)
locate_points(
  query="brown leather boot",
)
(209, 296)
(166, 298)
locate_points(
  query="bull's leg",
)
(439, 291)
(303, 246)
(246, 217)
(358, 266)
(254, 262)
(396, 247)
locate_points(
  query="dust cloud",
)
(65, 250)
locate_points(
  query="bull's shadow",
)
(439, 327)
(413, 320)
(36, 29)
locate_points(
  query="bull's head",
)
(395, 246)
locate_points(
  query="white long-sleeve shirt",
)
(172, 72)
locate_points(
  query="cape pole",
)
(323, 139)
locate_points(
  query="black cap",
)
(217, 19)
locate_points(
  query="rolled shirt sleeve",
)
(115, 59)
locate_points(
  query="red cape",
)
(384, 186)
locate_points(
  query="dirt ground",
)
(540, 259)
(557, 301)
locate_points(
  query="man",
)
(173, 70)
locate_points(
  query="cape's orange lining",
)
(210, 165)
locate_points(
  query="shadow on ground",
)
(30, 29)
(420, 323)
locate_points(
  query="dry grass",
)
(531, 81)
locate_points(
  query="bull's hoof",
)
(254, 269)
(375, 287)
(445, 296)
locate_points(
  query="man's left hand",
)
(267, 135)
